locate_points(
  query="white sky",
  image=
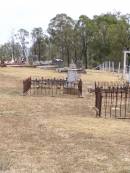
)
(27, 14)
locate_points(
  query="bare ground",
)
(58, 135)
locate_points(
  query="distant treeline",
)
(88, 41)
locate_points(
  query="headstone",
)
(72, 73)
(72, 78)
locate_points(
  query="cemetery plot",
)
(41, 86)
(52, 87)
(112, 100)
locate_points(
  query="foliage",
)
(88, 41)
(9, 50)
(61, 30)
(39, 43)
(22, 37)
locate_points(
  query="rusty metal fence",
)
(40, 86)
(112, 100)
(26, 85)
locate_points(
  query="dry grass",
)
(58, 135)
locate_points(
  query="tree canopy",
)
(90, 41)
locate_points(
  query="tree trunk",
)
(85, 49)
(75, 54)
(39, 51)
(86, 59)
(68, 57)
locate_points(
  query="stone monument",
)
(72, 80)
(72, 75)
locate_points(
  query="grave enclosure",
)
(41, 86)
(54, 87)
(112, 100)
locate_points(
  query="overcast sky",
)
(27, 14)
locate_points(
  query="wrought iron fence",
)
(40, 86)
(112, 100)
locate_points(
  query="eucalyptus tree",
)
(15, 46)
(77, 45)
(102, 39)
(120, 37)
(112, 36)
(39, 44)
(86, 29)
(51, 48)
(22, 37)
(60, 29)
(6, 51)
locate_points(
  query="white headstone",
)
(72, 75)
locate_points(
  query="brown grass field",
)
(58, 134)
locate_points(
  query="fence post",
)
(26, 85)
(80, 88)
(98, 101)
(23, 87)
